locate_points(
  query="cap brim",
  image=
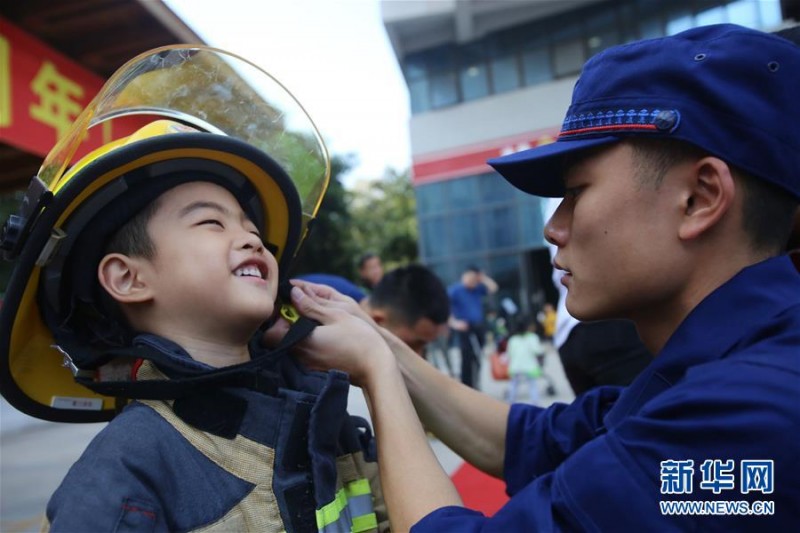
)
(538, 171)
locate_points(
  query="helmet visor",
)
(214, 91)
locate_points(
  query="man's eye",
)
(573, 192)
(212, 221)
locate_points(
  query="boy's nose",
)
(252, 241)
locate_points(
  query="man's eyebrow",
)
(203, 204)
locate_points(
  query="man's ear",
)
(378, 315)
(711, 191)
(122, 277)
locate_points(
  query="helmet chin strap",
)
(256, 374)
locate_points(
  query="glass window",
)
(474, 82)
(505, 74)
(465, 232)
(651, 27)
(627, 23)
(770, 11)
(464, 193)
(434, 238)
(530, 220)
(414, 66)
(678, 20)
(444, 91)
(473, 73)
(601, 32)
(536, 65)
(715, 15)
(446, 271)
(494, 188)
(505, 270)
(568, 52)
(744, 13)
(431, 198)
(502, 227)
(441, 58)
(418, 94)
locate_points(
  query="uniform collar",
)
(753, 297)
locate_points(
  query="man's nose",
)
(556, 229)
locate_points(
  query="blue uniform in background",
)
(467, 304)
(339, 283)
(714, 418)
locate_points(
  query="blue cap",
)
(730, 90)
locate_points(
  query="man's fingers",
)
(308, 304)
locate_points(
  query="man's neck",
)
(657, 324)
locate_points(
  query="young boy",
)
(678, 162)
(166, 268)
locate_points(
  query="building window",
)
(568, 52)
(473, 73)
(557, 47)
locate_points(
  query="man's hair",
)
(364, 258)
(473, 268)
(767, 210)
(410, 293)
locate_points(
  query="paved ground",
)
(35, 455)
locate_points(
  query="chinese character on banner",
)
(757, 476)
(57, 107)
(717, 475)
(5, 82)
(676, 476)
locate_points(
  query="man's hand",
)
(346, 339)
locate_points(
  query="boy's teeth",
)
(248, 271)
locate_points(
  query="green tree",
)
(329, 247)
(384, 219)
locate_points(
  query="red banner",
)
(472, 160)
(41, 93)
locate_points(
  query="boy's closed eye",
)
(212, 221)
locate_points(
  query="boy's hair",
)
(411, 293)
(132, 238)
(767, 210)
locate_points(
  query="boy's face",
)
(211, 275)
(617, 238)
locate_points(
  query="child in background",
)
(522, 350)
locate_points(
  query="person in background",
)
(547, 319)
(412, 303)
(523, 350)
(409, 301)
(467, 318)
(370, 270)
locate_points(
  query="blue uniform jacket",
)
(725, 387)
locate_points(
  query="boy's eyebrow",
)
(203, 204)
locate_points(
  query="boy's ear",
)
(711, 193)
(122, 277)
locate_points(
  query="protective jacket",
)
(704, 439)
(231, 459)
